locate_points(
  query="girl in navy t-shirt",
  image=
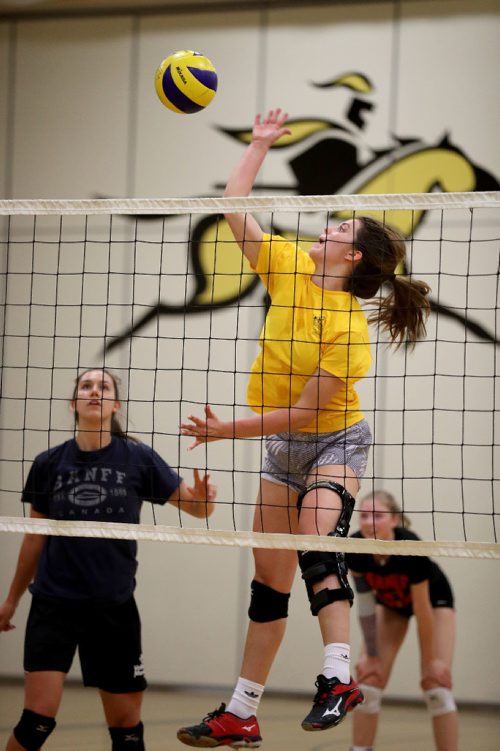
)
(83, 588)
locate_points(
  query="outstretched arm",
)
(197, 499)
(29, 555)
(245, 228)
(316, 394)
(368, 665)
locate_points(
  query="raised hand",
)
(205, 430)
(271, 128)
(202, 489)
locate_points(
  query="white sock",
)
(362, 748)
(337, 662)
(245, 699)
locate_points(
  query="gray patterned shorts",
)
(291, 457)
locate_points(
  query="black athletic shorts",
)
(441, 594)
(108, 638)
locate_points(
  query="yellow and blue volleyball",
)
(186, 82)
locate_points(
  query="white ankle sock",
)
(337, 662)
(362, 748)
(245, 699)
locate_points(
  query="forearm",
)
(369, 629)
(285, 420)
(242, 178)
(29, 556)
(365, 600)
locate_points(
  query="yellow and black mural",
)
(327, 161)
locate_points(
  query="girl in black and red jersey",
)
(390, 590)
(83, 588)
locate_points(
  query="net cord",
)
(241, 539)
(357, 203)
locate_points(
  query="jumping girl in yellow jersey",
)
(313, 348)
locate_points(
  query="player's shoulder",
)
(357, 534)
(138, 452)
(54, 454)
(401, 533)
(284, 252)
(132, 448)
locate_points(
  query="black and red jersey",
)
(391, 582)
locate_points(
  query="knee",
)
(267, 604)
(33, 729)
(127, 738)
(439, 701)
(372, 699)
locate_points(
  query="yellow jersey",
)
(306, 328)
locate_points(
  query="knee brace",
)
(127, 739)
(316, 566)
(373, 699)
(439, 701)
(33, 729)
(267, 604)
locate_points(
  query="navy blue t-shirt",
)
(392, 581)
(106, 485)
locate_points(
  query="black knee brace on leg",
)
(317, 565)
(33, 729)
(128, 739)
(267, 604)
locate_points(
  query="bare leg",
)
(122, 710)
(42, 694)
(320, 513)
(445, 726)
(275, 512)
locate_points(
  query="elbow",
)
(302, 418)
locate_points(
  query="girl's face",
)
(376, 521)
(335, 248)
(95, 399)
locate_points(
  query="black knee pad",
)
(316, 565)
(33, 729)
(127, 739)
(267, 604)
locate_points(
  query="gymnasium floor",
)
(403, 727)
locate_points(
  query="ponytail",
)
(404, 310)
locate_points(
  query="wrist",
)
(228, 429)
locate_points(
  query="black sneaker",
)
(221, 728)
(332, 702)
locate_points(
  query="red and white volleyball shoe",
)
(221, 728)
(332, 702)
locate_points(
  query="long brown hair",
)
(404, 310)
(116, 426)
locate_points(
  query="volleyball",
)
(186, 82)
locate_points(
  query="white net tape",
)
(293, 204)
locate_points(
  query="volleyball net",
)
(158, 292)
